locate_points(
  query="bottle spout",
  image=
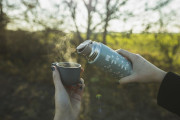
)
(85, 48)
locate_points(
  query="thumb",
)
(125, 53)
(57, 79)
(128, 79)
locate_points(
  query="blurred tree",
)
(160, 4)
(168, 50)
(3, 22)
(90, 7)
(163, 19)
(35, 15)
(112, 12)
(3, 17)
(72, 6)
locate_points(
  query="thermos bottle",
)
(106, 58)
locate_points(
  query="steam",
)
(69, 64)
(64, 49)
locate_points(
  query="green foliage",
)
(26, 78)
(98, 96)
(94, 79)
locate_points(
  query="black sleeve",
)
(169, 93)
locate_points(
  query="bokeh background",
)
(35, 33)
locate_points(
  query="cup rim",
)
(77, 65)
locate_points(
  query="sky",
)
(136, 23)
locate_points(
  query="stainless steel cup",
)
(69, 72)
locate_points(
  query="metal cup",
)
(69, 72)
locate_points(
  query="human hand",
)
(143, 70)
(67, 98)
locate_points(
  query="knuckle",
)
(122, 50)
(118, 50)
(82, 80)
(137, 56)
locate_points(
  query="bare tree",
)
(3, 17)
(72, 5)
(112, 12)
(90, 7)
(169, 51)
(3, 22)
(163, 19)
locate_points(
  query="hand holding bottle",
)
(143, 70)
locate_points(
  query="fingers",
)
(77, 91)
(126, 54)
(128, 79)
(57, 79)
(82, 85)
(80, 88)
(82, 70)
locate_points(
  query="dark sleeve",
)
(169, 93)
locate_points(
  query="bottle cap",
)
(85, 48)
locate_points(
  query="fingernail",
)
(53, 64)
(80, 82)
(52, 68)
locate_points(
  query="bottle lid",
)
(85, 48)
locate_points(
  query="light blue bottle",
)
(105, 58)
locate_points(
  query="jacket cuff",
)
(169, 93)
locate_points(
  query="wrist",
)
(64, 115)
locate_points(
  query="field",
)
(27, 91)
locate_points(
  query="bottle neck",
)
(95, 50)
